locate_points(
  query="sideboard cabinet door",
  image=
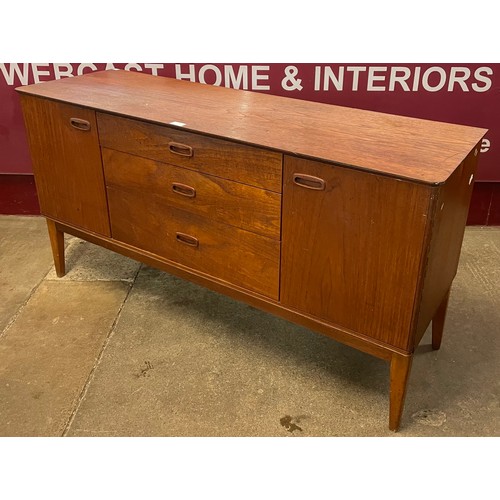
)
(352, 248)
(64, 146)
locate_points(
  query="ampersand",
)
(290, 82)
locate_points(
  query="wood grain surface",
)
(352, 252)
(225, 252)
(67, 164)
(448, 216)
(239, 205)
(57, 243)
(399, 375)
(229, 160)
(372, 211)
(353, 339)
(426, 151)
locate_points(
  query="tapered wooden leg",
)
(400, 372)
(57, 244)
(438, 323)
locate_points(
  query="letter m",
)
(235, 81)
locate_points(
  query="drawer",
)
(233, 203)
(229, 160)
(230, 254)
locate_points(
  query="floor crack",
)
(90, 377)
(20, 309)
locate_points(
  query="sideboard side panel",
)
(448, 229)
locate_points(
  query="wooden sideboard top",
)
(410, 148)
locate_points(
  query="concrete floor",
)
(116, 348)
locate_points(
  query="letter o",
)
(210, 67)
(442, 80)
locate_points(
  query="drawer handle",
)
(309, 182)
(79, 124)
(183, 190)
(187, 239)
(180, 149)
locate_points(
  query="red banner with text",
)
(467, 94)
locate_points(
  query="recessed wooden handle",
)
(309, 182)
(183, 190)
(79, 124)
(187, 239)
(180, 149)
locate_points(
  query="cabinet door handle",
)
(186, 239)
(309, 182)
(180, 149)
(183, 190)
(79, 124)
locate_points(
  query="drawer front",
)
(233, 255)
(229, 160)
(239, 205)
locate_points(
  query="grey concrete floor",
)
(116, 348)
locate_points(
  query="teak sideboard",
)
(345, 221)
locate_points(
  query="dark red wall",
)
(460, 93)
